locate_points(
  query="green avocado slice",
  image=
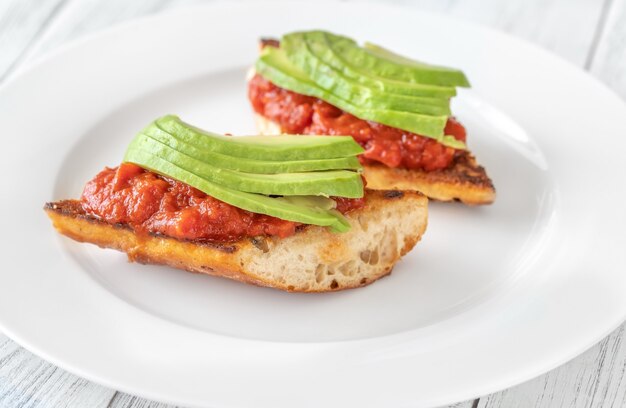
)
(287, 147)
(274, 65)
(384, 63)
(322, 48)
(299, 50)
(340, 183)
(256, 203)
(198, 150)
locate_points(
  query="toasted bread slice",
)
(464, 181)
(312, 260)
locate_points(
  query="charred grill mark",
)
(464, 171)
(66, 207)
(391, 194)
(260, 243)
(468, 171)
(268, 42)
(228, 248)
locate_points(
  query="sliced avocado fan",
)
(369, 82)
(248, 173)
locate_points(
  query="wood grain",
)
(28, 381)
(565, 27)
(21, 22)
(122, 400)
(570, 28)
(609, 60)
(597, 378)
(466, 404)
(86, 16)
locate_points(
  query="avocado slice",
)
(322, 48)
(299, 50)
(340, 183)
(382, 62)
(256, 203)
(287, 147)
(274, 65)
(325, 203)
(198, 150)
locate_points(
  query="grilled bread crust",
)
(312, 260)
(464, 181)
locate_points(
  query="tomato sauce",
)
(301, 114)
(151, 203)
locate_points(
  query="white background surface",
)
(587, 33)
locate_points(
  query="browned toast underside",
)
(312, 260)
(465, 181)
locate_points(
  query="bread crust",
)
(464, 181)
(312, 260)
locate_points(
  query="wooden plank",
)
(87, 16)
(466, 404)
(609, 61)
(595, 379)
(28, 381)
(21, 21)
(565, 27)
(122, 400)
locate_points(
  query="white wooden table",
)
(588, 33)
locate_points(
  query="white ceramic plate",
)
(492, 296)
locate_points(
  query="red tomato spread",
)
(152, 203)
(301, 114)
